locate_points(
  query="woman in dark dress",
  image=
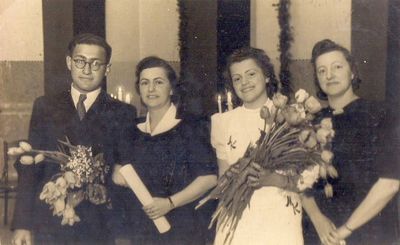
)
(174, 159)
(364, 186)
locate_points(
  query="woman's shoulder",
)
(227, 116)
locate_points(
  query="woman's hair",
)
(261, 59)
(153, 62)
(326, 46)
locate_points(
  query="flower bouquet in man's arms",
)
(81, 177)
(290, 144)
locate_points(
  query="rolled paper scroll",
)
(144, 196)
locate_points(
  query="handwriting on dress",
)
(296, 210)
(232, 143)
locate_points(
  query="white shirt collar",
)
(91, 97)
(167, 122)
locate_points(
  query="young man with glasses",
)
(86, 115)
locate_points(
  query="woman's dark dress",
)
(355, 146)
(167, 163)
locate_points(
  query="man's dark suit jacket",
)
(55, 118)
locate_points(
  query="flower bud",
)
(308, 177)
(279, 100)
(25, 146)
(301, 95)
(322, 135)
(264, 113)
(307, 137)
(312, 105)
(39, 158)
(292, 116)
(13, 151)
(27, 160)
(328, 189)
(327, 156)
(59, 206)
(332, 172)
(322, 172)
(61, 182)
(326, 123)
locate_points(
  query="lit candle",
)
(219, 103)
(119, 93)
(229, 100)
(128, 98)
(112, 95)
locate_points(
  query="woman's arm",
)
(193, 191)
(377, 198)
(325, 228)
(222, 166)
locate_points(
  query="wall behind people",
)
(355, 24)
(21, 64)
(136, 29)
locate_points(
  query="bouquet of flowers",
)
(81, 177)
(294, 146)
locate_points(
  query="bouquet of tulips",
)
(81, 177)
(293, 146)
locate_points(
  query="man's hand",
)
(117, 177)
(21, 237)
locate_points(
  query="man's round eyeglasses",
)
(93, 65)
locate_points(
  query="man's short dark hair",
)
(89, 38)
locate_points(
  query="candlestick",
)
(219, 103)
(128, 98)
(119, 93)
(229, 100)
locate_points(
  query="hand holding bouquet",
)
(294, 147)
(81, 177)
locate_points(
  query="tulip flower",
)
(264, 113)
(323, 135)
(312, 105)
(332, 172)
(328, 189)
(12, 151)
(27, 160)
(25, 146)
(308, 177)
(301, 95)
(279, 100)
(327, 156)
(39, 158)
(69, 216)
(59, 207)
(307, 137)
(326, 123)
(292, 116)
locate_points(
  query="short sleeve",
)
(218, 136)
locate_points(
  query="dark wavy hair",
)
(89, 38)
(153, 62)
(326, 46)
(261, 59)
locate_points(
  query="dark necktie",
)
(81, 107)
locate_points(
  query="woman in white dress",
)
(268, 219)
